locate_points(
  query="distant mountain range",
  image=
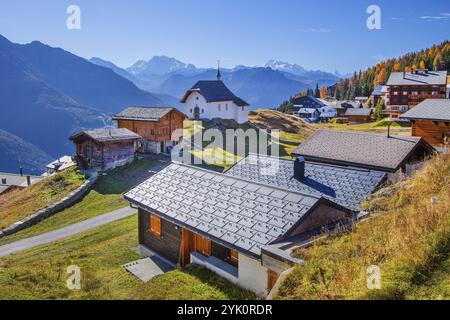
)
(264, 86)
(47, 94)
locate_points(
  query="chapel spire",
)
(219, 76)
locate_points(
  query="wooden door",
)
(185, 247)
(191, 242)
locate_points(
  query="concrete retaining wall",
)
(62, 204)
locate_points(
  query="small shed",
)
(430, 120)
(104, 149)
(358, 115)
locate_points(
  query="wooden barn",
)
(358, 115)
(157, 126)
(431, 120)
(103, 149)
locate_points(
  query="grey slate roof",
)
(232, 211)
(359, 149)
(430, 109)
(345, 186)
(358, 112)
(214, 91)
(309, 102)
(106, 134)
(143, 113)
(421, 78)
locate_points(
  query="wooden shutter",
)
(202, 245)
(155, 225)
(234, 258)
(272, 278)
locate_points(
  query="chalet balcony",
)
(397, 109)
(420, 97)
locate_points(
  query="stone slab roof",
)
(358, 112)
(373, 151)
(143, 113)
(348, 187)
(415, 79)
(108, 135)
(430, 109)
(237, 213)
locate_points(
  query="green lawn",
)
(381, 127)
(105, 196)
(40, 273)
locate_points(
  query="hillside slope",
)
(408, 238)
(16, 152)
(18, 204)
(48, 93)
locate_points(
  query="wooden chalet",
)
(241, 224)
(358, 115)
(103, 149)
(431, 121)
(395, 155)
(408, 89)
(161, 128)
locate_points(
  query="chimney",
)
(299, 168)
(21, 171)
(3, 180)
(389, 129)
(28, 180)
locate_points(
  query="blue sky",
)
(327, 35)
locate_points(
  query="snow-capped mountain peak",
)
(159, 65)
(286, 67)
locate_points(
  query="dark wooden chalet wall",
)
(220, 252)
(101, 156)
(168, 245)
(322, 215)
(361, 119)
(155, 130)
(91, 154)
(432, 132)
(425, 92)
(118, 152)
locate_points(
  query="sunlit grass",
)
(18, 204)
(40, 273)
(408, 238)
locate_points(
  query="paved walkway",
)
(65, 232)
